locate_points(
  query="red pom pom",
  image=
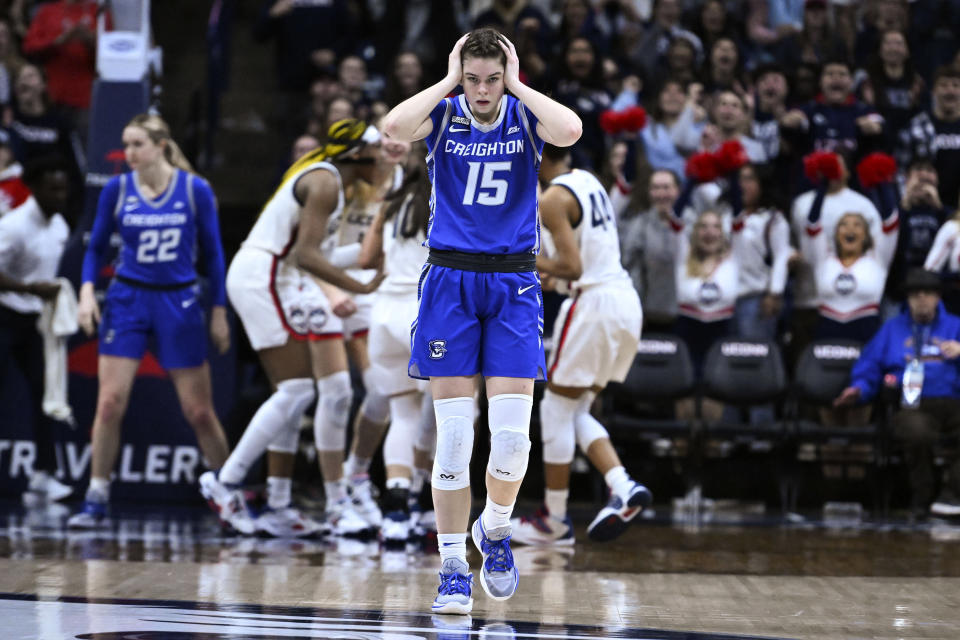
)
(702, 167)
(614, 122)
(821, 165)
(875, 169)
(730, 156)
(610, 121)
(634, 118)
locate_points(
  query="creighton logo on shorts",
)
(438, 349)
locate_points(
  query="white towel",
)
(58, 321)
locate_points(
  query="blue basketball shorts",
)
(473, 322)
(173, 318)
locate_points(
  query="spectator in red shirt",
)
(63, 36)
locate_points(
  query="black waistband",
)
(155, 286)
(484, 262)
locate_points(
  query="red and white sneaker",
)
(228, 503)
(614, 518)
(543, 529)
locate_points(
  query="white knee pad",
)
(509, 418)
(587, 428)
(451, 465)
(404, 423)
(294, 396)
(556, 428)
(376, 407)
(333, 411)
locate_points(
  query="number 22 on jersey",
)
(157, 245)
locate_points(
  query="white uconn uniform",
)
(346, 227)
(395, 306)
(273, 297)
(596, 335)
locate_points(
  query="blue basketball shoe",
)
(499, 575)
(614, 518)
(455, 593)
(94, 512)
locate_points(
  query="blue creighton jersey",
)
(160, 236)
(484, 177)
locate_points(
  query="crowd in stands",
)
(784, 79)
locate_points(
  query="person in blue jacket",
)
(925, 337)
(164, 214)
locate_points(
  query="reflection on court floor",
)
(169, 573)
(145, 620)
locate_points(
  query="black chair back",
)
(662, 369)
(824, 370)
(743, 371)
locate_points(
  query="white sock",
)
(618, 480)
(419, 479)
(278, 492)
(556, 501)
(336, 491)
(100, 486)
(398, 483)
(355, 466)
(496, 515)
(452, 545)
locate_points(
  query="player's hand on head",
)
(511, 75)
(219, 329)
(88, 311)
(454, 64)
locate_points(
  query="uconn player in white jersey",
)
(163, 213)
(594, 342)
(480, 309)
(346, 231)
(396, 237)
(292, 327)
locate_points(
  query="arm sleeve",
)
(815, 249)
(867, 372)
(345, 256)
(208, 232)
(781, 250)
(103, 226)
(887, 205)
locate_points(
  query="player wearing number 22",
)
(163, 213)
(480, 305)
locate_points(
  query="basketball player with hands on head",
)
(480, 301)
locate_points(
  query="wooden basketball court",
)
(169, 574)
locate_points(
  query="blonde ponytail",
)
(175, 156)
(159, 131)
